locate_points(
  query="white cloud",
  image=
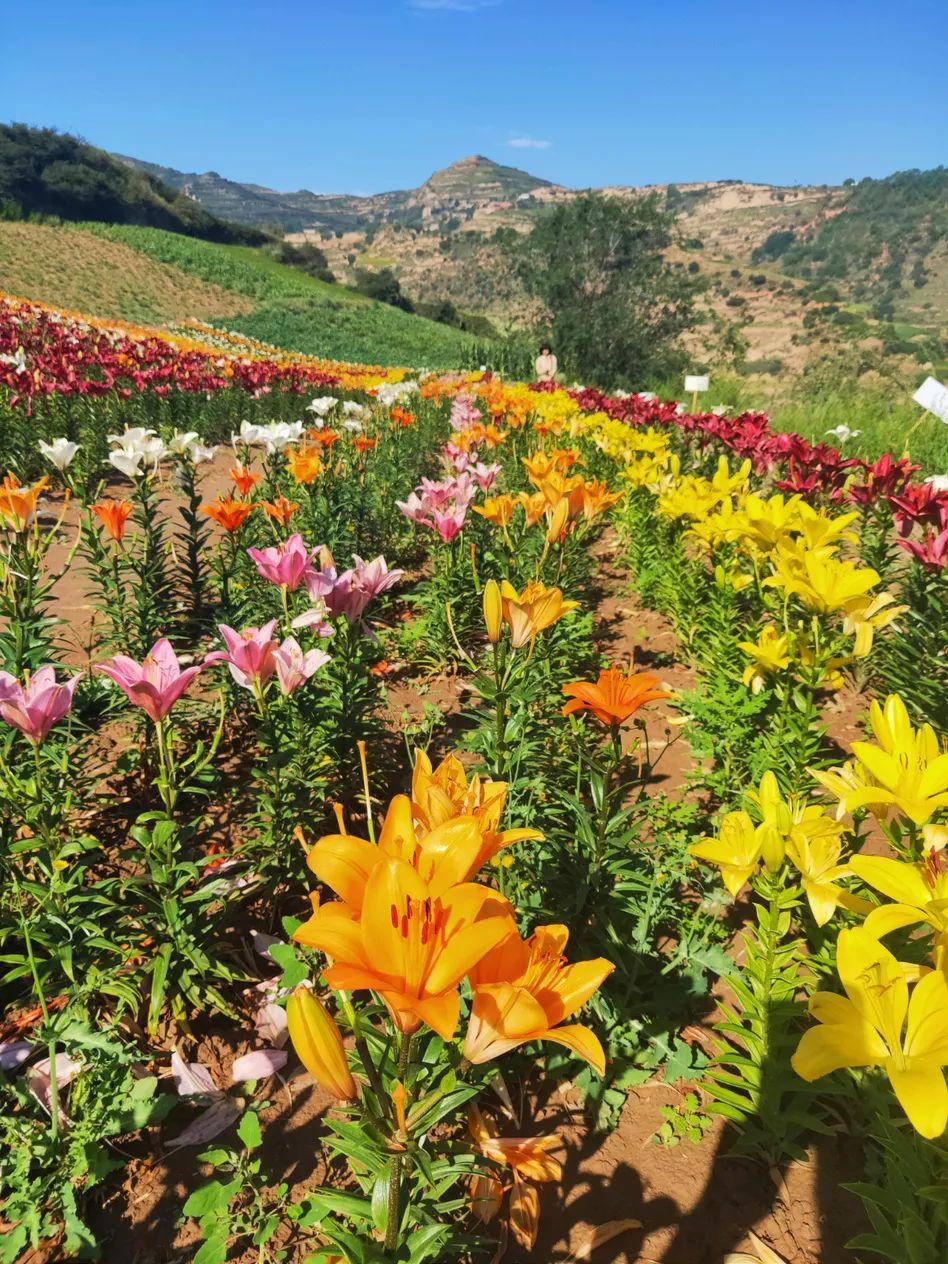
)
(528, 142)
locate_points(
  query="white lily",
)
(60, 452)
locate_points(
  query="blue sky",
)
(368, 95)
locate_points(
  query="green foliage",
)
(912, 663)
(300, 311)
(237, 1207)
(885, 231)
(45, 1177)
(597, 265)
(45, 172)
(685, 1122)
(905, 1195)
(750, 1081)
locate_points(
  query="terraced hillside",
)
(146, 274)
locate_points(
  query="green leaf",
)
(380, 1202)
(214, 1196)
(249, 1130)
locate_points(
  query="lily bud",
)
(493, 611)
(318, 1042)
(557, 521)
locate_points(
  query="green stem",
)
(41, 997)
(395, 1175)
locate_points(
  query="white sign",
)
(933, 397)
(693, 383)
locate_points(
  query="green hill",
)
(172, 277)
(880, 243)
(46, 173)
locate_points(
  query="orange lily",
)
(326, 438)
(523, 990)
(496, 509)
(113, 514)
(244, 479)
(18, 504)
(228, 513)
(528, 1156)
(615, 696)
(279, 509)
(443, 856)
(304, 464)
(443, 794)
(408, 944)
(531, 611)
(529, 1159)
(539, 466)
(402, 417)
(363, 443)
(534, 506)
(597, 499)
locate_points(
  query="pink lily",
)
(359, 585)
(294, 667)
(157, 682)
(250, 654)
(35, 706)
(317, 616)
(449, 524)
(463, 412)
(485, 475)
(288, 563)
(931, 551)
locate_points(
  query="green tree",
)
(615, 308)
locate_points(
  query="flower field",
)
(448, 818)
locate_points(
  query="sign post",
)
(694, 383)
(932, 395)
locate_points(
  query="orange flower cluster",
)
(410, 924)
(18, 504)
(529, 1159)
(562, 501)
(229, 513)
(615, 696)
(113, 514)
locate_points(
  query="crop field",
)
(449, 818)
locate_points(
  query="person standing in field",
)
(546, 364)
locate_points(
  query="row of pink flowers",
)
(441, 506)
(291, 564)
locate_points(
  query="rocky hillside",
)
(790, 272)
(472, 182)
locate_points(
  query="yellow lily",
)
(531, 611)
(736, 851)
(493, 610)
(776, 820)
(920, 892)
(768, 654)
(907, 769)
(865, 1028)
(867, 615)
(822, 584)
(816, 854)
